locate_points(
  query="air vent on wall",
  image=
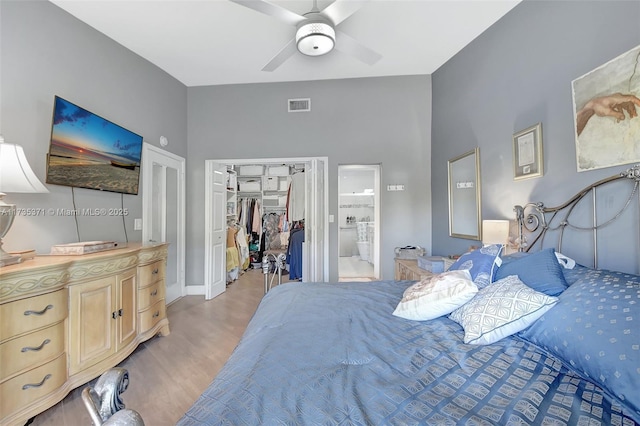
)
(300, 105)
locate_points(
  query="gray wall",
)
(355, 121)
(46, 52)
(514, 75)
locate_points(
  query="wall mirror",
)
(464, 196)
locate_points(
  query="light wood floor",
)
(167, 374)
(353, 267)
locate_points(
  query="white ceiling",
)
(211, 42)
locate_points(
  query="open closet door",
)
(163, 212)
(215, 281)
(316, 231)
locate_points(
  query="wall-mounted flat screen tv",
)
(88, 151)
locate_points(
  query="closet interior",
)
(265, 215)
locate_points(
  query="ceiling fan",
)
(316, 32)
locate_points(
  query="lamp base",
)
(7, 259)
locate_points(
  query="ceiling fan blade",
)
(280, 13)
(347, 44)
(340, 10)
(285, 53)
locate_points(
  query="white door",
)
(215, 271)
(314, 267)
(163, 212)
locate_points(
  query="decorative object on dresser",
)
(409, 252)
(64, 320)
(81, 248)
(16, 176)
(528, 160)
(433, 264)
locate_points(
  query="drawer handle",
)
(120, 312)
(157, 314)
(155, 271)
(36, 385)
(154, 292)
(114, 314)
(39, 312)
(37, 348)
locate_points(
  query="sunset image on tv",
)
(88, 151)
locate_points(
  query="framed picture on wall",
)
(527, 153)
(606, 104)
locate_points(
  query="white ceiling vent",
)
(300, 105)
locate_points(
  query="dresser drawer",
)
(151, 273)
(151, 316)
(31, 350)
(32, 313)
(26, 388)
(150, 295)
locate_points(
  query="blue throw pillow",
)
(541, 271)
(481, 264)
(595, 328)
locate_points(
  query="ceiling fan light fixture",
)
(315, 38)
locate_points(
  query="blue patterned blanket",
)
(333, 354)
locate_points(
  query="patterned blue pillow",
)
(540, 270)
(595, 328)
(481, 264)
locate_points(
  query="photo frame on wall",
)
(606, 103)
(528, 160)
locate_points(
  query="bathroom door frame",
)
(376, 212)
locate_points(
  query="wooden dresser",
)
(65, 320)
(407, 269)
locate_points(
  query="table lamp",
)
(495, 232)
(16, 176)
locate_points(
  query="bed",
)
(567, 352)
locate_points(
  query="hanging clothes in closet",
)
(294, 252)
(296, 197)
(249, 217)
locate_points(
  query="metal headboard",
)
(535, 220)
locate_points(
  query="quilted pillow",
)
(500, 310)
(540, 270)
(436, 295)
(481, 264)
(595, 327)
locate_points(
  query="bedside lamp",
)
(495, 232)
(15, 176)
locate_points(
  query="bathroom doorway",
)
(359, 222)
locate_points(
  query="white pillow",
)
(500, 310)
(436, 295)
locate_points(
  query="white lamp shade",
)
(495, 232)
(15, 173)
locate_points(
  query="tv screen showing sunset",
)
(88, 151)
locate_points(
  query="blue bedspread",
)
(333, 354)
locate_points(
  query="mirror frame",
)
(473, 216)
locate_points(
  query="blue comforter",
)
(333, 354)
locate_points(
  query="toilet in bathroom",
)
(363, 250)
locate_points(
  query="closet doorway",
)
(359, 222)
(315, 262)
